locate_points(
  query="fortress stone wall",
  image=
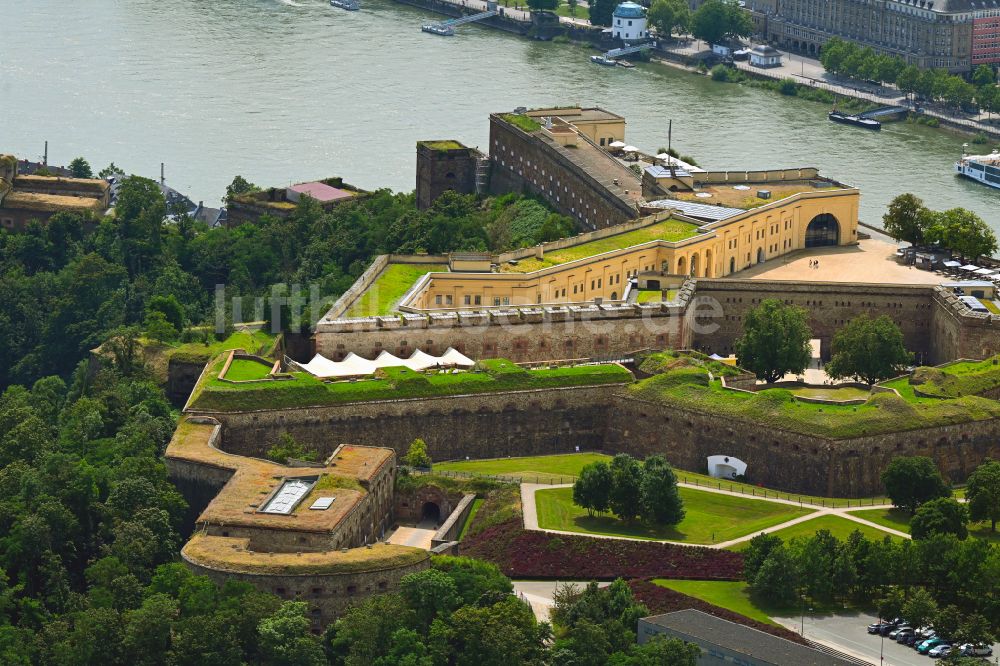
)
(516, 423)
(792, 461)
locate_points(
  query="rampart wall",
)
(793, 461)
(517, 423)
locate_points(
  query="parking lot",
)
(848, 633)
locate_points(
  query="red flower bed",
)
(530, 554)
(663, 600)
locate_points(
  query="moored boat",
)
(438, 29)
(603, 60)
(349, 5)
(984, 169)
(857, 121)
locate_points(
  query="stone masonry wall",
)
(328, 596)
(792, 461)
(490, 425)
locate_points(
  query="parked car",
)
(930, 644)
(895, 632)
(978, 650)
(903, 634)
(942, 650)
(876, 627)
(912, 640)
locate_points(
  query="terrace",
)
(745, 196)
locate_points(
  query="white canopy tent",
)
(356, 366)
(616, 144)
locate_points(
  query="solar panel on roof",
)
(288, 496)
(322, 503)
(702, 211)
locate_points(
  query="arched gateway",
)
(823, 230)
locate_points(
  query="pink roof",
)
(321, 191)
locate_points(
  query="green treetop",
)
(775, 340)
(943, 515)
(983, 493)
(80, 168)
(668, 15)
(717, 20)
(913, 480)
(868, 349)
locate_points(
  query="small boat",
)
(626, 64)
(438, 29)
(857, 121)
(603, 60)
(349, 5)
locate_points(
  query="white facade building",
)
(628, 22)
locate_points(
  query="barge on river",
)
(857, 121)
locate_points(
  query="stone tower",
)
(448, 165)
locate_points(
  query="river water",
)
(282, 91)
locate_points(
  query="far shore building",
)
(25, 198)
(765, 56)
(282, 201)
(629, 22)
(926, 33)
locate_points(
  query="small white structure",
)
(357, 366)
(723, 50)
(763, 55)
(726, 467)
(629, 22)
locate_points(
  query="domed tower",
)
(629, 22)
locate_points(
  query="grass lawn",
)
(254, 342)
(532, 469)
(900, 520)
(668, 230)
(390, 286)
(710, 517)
(565, 468)
(476, 503)
(243, 369)
(839, 527)
(843, 393)
(656, 296)
(732, 595)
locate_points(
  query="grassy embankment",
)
(691, 388)
(304, 390)
(390, 286)
(710, 517)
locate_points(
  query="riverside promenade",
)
(810, 72)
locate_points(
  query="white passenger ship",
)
(983, 168)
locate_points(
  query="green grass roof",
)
(304, 390)
(382, 297)
(690, 388)
(667, 230)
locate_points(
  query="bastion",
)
(304, 531)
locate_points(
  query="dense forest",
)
(90, 526)
(70, 283)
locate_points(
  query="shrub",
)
(788, 87)
(287, 447)
(417, 455)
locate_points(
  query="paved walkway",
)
(530, 512)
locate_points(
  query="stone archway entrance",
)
(430, 513)
(732, 264)
(823, 230)
(760, 255)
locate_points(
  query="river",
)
(282, 91)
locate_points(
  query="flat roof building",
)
(725, 642)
